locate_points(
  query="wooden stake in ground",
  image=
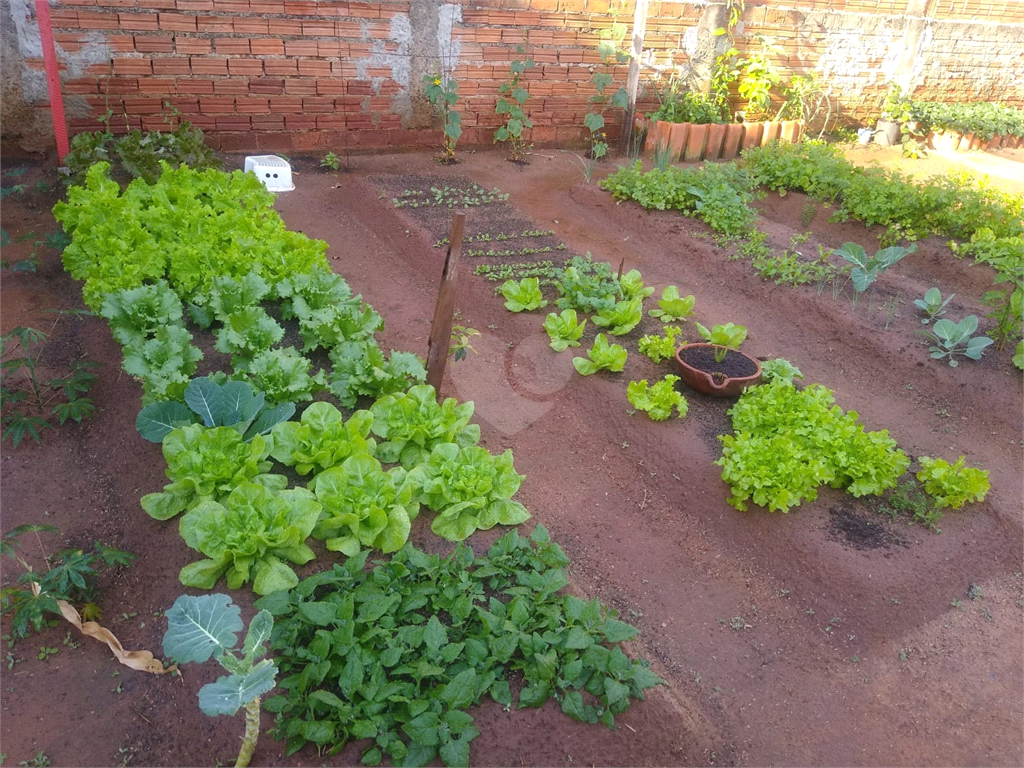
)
(441, 328)
(633, 78)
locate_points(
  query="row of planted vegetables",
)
(198, 267)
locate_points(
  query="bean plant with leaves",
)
(443, 92)
(510, 105)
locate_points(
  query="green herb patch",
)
(398, 654)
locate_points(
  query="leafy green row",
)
(981, 118)
(398, 655)
(787, 442)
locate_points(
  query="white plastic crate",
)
(273, 171)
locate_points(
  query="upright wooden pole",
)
(441, 328)
(633, 79)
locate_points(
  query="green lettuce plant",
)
(621, 318)
(631, 286)
(363, 506)
(787, 442)
(726, 336)
(523, 295)
(409, 425)
(227, 296)
(136, 314)
(360, 369)
(952, 485)
(602, 356)
(952, 339)
(672, 307)
(322, 438)
(779, 368)
(1018, 355)
(164, 364)
(216, 404)
(208, 463)
(658, 400)
(246, 334)
(564, 329)
(249, 535)
(660, 348)
(205, 626)
(933, 305)
(282, 374)
(469, 489)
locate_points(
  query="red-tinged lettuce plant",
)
(249, 536)
(411, 423)
(364, 506)
(322, 438)
(206, 464)
(202, 627)
(469, 489)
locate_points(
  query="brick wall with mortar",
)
(313, 75)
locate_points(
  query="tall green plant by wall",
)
(511, 105)
(610, 51)
(443, 92)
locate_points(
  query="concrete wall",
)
(312, 75)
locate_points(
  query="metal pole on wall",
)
(633, 80)
(60, 128)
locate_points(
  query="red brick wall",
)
(309, 75)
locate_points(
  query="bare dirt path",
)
(829, 636)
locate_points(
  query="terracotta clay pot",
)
(733, 139)
(695, 142)
(700, 371)
(716, 135)
(772, 132)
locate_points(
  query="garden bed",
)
(832, 635)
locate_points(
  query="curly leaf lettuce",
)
(322, 438)
(410, 424)
(249, 537)
(469, 489)
(658, 400)
(363, 506)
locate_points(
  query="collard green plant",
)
(71, 575)
(672, 307)
(136, 314)
(322, 438)
(164, 364)
(933, 305)
(564, 329)
(208, 463)
(660, 348)
(621, 318)
(952, 339)
(216, 404)
(952, 485)
(469, 489)
(523, 295)
(659, 399)
(250, 535)
(363, 506)
(202, 627)
(787, 442)
(405, 678)
(602, 356)
(868, 269)
(360, 369)
(410, 424)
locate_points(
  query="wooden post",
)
(441, 327)
(633, 80)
